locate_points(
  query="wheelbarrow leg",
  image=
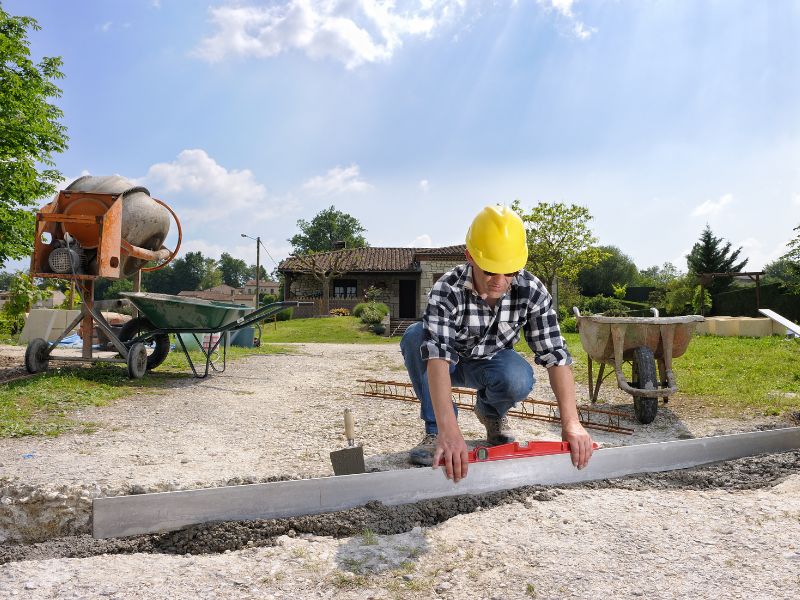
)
(598, 382)
(667, 338)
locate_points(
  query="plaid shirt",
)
(459, 323)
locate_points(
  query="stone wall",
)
(305, 286)
(431, 270)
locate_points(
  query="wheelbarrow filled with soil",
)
(648, 343)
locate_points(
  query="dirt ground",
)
(728, 531)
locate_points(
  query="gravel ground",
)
(728, 533)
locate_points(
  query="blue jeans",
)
(501, 381)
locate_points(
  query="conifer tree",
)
(712, 254)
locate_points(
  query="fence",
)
(315, 309)
(742, 302)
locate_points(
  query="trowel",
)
(350, 460)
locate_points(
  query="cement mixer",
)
(99, 227)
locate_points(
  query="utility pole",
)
(258, 269)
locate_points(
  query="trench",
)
(741, 474)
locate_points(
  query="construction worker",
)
(475, 314)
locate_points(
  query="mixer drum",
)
(145, 223)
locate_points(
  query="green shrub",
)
(569, 325)
(602, 304)
(284, 315)
(380, 306)
(358, 309)
(371, 315)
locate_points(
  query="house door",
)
(408, 299)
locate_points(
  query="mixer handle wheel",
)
(177, 246)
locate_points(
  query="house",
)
(222, 293)
(265, 286)
(406, 275)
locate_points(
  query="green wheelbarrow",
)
(188, 318)
(644, 342)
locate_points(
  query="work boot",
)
(422, 453)
(498, 431)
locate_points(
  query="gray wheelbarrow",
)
(642, 341)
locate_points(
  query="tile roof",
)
(372, 259)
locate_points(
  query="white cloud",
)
(354, 32)
(712, 207)
(758, 256)
(65, 181)
(424, 185)
(797, 199)
(421, 241)
(105, 27)
(564, 8)
(216, 191)
(337, 181)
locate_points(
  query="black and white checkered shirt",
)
(459, 323)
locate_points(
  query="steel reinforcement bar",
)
(530, 408)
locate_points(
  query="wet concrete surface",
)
(741, 474)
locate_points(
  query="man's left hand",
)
(580, 443)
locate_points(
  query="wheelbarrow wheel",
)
(36, 355)
(157, 345)
(644, 377)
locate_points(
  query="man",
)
(475, 314)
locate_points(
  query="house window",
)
(344, 288)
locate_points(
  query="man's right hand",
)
(453, 453)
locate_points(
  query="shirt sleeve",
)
(438, 324)
(543, 333)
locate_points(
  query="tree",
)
(560, 243)
(325, 229)
(656, 276)
(708, 255)
(5, 280)
(235, 271)
(793, 257)
(325, 267)
(30, 133)
(23, 293)
(212, 276)
(160, 281)
(614, 268)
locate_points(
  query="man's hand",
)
(580, 443)
(451, 448)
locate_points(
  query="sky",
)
(411, 115)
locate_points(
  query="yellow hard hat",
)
(496, 240)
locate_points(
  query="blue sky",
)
(659, 116)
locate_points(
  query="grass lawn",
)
(717, 376)
(333, 330)
(45, 404)
(725, 376)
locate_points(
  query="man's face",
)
(489, 287)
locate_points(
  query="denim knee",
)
(516, 381)
(412, 339)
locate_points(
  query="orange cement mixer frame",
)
(101, 230)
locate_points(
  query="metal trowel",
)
(350, 460)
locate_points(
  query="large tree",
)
(615, 268)
(793, 258)
(656, 276)
(235, 271)
(712, 254)
(30, 133)
(325, 229)
(560, 242)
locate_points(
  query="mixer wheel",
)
(156, 345)
(137, 361)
